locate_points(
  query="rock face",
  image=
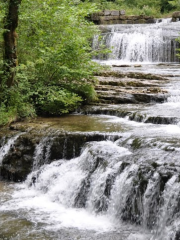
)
(41, 145)
(119, 17)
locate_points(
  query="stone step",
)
(131, 98)
(114, 81)
(131, 90)
(134, 75)
(118, 87)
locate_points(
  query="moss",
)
(136, 143)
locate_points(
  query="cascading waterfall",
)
(140, 43)
(150, 201)
(101, 180)
(42, 152)
(169, 209)
(125, 189)
(104, 186)
(78, 177)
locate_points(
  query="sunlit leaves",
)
(58, 30)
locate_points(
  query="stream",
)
(123, 183)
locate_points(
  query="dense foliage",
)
(55, 71)
(137, 7)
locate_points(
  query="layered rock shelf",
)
(117, 88)
(119, 17)
(28, 145)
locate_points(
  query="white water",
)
(168, 210)
(52, 198)
(7, 146)
(140, 43)
(121, 189)
(71, 194)
(41, 156)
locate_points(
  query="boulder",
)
(176, 14)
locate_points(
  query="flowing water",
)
(123, 188)
(140, 43)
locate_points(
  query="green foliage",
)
(16, 100)
(55, 101)
(6, 115)
(172, 4)
(137, 7)
(57, 42)
(55, 72)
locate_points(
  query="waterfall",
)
(42, 152)
(78, 177)
(140, 43)
(7, 145)
(116, 180)
(105, 185)
(169, 211)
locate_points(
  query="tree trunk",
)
(10, 45)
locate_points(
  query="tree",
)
(10, 43)
(54, 73)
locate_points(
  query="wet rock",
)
(162, 120)
(121, 65)
(52, 144)
(177, 236)
(148, 98)
(135, 75)
(81, 198)
(17, 164)
(137, 65)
